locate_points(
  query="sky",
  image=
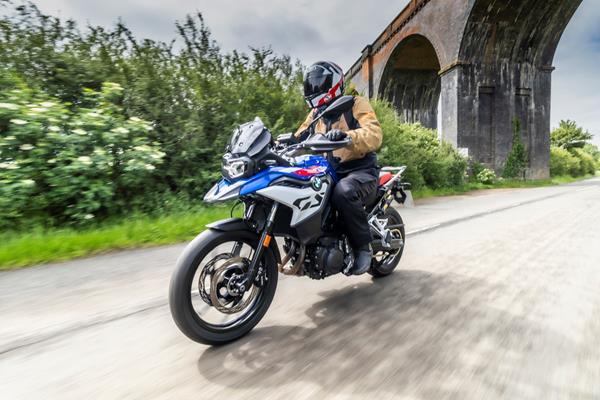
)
(310, 30)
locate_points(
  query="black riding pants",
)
(350, 196)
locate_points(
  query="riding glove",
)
(335, 135)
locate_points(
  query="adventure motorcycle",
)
(226, 277)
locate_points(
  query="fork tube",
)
(264, 243)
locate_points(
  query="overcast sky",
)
(311, 30)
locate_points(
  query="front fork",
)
(264, 243)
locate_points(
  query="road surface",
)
(497, 297)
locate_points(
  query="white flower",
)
(9, 165)
(85, 160)
(39, 109)
(9, 106)
(26, 147)
(93, 115)
(47, 104)
(28, 182)
(79, 131)
(158, 155)
(11, 137)
(18, 122)
(88, 216)
(54, 128)
(135, 119)
(51, 161)
(149, 167)
(120, 130)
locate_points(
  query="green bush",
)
(587, 163)
(430, 162)
(59, 165)
(486, 176)
(570, 152)
(562, 162)
(516, 162)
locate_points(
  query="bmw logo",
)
(316, 183)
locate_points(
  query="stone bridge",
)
(488, 63)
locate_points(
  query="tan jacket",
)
(365, 139)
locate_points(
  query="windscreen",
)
(250, 138)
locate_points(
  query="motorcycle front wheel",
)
(202, 296)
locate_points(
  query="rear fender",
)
(239, 224)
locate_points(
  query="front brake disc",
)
(221, 295)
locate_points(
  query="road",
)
(497, 297)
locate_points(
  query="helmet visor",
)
(317, 81)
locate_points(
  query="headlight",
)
(234, 168)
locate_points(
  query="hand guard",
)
(335, 135)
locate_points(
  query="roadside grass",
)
(504, 184)
(21, 249)
(38, 246)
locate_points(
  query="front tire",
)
(384, 264)
(182, 289)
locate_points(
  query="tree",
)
(568, 135)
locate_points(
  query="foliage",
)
(516, 162)
(69, 166)
(192, 93)
(570, 152)
(195, 95)
(430, 162)
(562, 162)
(569, 136)
(486, 176)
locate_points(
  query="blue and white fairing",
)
(304, 200)
(305, 169)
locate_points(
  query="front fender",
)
(239, 224)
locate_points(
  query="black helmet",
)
(323, 82)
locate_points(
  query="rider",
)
(356, 164)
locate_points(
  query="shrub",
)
(69, 166)
(430, 162)
(587, 164)
(562, 162)
(516, 162)
(486, 176)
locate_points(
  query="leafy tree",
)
(568, 135)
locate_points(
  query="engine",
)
(325, 258)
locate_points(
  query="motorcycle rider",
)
(356, 164)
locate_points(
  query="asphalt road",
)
(497, 296)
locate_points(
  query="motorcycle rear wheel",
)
(184, 296)
(384, 264)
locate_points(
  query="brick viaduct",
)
(490, 63)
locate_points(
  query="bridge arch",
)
(411, 80)
(505, 57)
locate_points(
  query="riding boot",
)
(362, 260)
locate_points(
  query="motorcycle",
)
(225, 279)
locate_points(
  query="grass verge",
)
(42, 246)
